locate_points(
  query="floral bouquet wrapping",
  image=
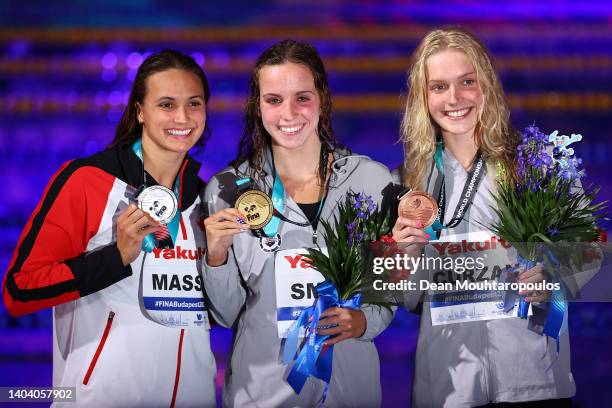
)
(358, 221)
(545, 206)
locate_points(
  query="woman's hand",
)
(409, 231)
(220, 230)
(348, 324)
(534, 275)
(410, 235)
(133, 225)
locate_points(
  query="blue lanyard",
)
(149, 242)
(278, 202)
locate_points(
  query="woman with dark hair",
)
(257, 281)
(114, 247)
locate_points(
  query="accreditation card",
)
(461, 306)
(295, 287)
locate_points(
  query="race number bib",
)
(295, 287)
(172, 292)
(471, 299)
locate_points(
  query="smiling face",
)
(289, 105)
(454, 97)
(173, 113)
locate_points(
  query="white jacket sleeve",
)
(377, 320)
(223, 284)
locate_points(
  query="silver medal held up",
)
(159, 202)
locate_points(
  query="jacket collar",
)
(342, 166)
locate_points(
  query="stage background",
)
(66, 68)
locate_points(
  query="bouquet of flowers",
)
(546, 204)
(358, 221)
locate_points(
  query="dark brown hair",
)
(255, 138)
(128, 129)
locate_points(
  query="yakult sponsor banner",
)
(477, 257)
(172, 287)
(295, 287)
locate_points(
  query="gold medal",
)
(256, 206)
(418, 206)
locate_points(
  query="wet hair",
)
(129, 129)
(255, 139)
(494, 134)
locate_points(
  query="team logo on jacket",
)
(270, 244)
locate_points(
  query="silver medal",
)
(159, 202)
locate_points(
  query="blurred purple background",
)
(65, 72)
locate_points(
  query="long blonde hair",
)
(494, 135)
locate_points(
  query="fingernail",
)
(419, 224)
(428, 235)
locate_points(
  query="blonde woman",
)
(455, 131)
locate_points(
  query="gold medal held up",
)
(418, 206)
(257, 208)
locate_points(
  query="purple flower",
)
(364, 204)
(552, 231)
(571, 171)
(352, 226)
(538, 161)
(352, 230)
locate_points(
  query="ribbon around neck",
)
(149, 242)
(314, 359)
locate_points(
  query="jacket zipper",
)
(94, 360)
(178, 368)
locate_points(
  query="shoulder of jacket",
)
(372, 167)
(82, 174)
(217, 178)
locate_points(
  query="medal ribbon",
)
(467, 195)
(278, 203)
(314, 359)
(171, 229)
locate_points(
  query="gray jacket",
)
(242, 295)
(474, 363)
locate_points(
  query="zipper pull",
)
(314, 237)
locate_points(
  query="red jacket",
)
(123, 335)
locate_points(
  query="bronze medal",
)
(418, 206)
(257, 208)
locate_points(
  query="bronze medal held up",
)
(418, 206)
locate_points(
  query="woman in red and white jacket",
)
(130, 322)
